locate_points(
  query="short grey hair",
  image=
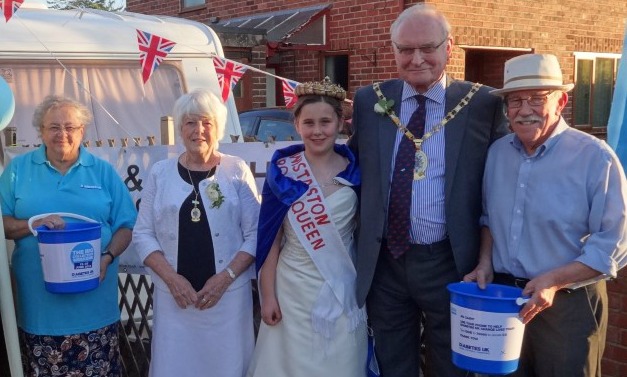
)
(418, 10)
(83, 114)
(200, 102)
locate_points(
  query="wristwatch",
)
(109, 253)
(230, 272)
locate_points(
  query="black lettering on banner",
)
(133, 171)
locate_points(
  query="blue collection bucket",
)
(486, 333)
(70, 257)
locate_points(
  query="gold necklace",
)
(420, 157)
(195, 212)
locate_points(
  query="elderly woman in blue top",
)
(196, 231)
(70, 333)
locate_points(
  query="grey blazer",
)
(468, 137)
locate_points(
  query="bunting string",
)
(153, 49)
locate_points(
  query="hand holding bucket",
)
(486, 330)
(70, 257)
(59, 214)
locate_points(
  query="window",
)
(594, 86)
(280, 130)
(191, 3)
(122, 105)
(336, 67)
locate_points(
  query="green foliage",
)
(109, 5)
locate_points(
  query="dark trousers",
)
(567, 339)
(402, 291)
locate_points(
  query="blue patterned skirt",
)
(95, 353)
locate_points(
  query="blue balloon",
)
(7, 104)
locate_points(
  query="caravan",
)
(93, 56)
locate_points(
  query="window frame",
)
(593, 58)
(186, 8)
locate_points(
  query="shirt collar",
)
(84, 158)
(435, 93)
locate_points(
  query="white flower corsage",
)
(215, 195)
(384, 106)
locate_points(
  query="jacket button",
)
(221, 261)
(217, 234)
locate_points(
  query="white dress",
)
(217, 342)
(290, 348)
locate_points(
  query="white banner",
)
(133, 165)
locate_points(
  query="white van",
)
(93, 56)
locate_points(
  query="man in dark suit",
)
(403, 273)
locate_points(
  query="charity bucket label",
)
(486, 335)
(70, 262)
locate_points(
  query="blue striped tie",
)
(399, 207)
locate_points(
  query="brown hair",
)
(313, 98)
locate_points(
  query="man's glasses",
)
(424, 50)
(57, 129)
(537, 100)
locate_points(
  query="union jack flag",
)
(152, 50)
(288, 92)
(9, 8)
(229, 73)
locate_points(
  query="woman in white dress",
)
(312, 325)
(197, 232)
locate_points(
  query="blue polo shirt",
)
(30, 186)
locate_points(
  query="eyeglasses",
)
(57, 129)
(424, 50)
(537, 100)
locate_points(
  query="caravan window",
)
(123, 106)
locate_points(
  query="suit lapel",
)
(454, 132)
(387, 135)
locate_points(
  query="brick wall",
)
(360, 28)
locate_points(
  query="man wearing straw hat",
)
(554, 217)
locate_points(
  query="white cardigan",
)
(233, 225)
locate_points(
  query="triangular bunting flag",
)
(10, 7)
(288, 92)
(229, 73)
(152, 50)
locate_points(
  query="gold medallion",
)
(420, 165)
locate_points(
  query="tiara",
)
(321, 88)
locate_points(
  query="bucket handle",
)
(61, 214)
(520, 301)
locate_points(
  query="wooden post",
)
(167, 130)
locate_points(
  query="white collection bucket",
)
(70, 257)
(486, 332)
